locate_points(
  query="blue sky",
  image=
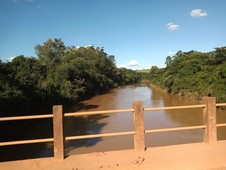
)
(139, 33)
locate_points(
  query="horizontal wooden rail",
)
(175, 129)
(221, 125)
(220, 104)
(26, 142)
(175, 107)
(97, 112)
(209, 115)
(26, 117)
(100, 135)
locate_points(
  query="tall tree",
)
(51, 52)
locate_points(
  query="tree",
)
(193, 74)
(51, 52)
(168, 61)
(59, 74)
(220, 55)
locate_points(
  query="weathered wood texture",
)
(58, 132)
(209, 119)
(139, 139)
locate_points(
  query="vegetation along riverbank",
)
(61, 74)
(58, 75)
(193, 74)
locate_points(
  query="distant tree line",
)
(58, 74)
(193, 74)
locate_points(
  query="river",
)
(120, 98)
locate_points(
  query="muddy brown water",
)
(119, 98)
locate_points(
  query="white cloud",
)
(172, 27)
(133, 63)
(171, 53)
(198, 13)
(121, 66)
(11, 58)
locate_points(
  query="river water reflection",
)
(122, 98)
(118, 98)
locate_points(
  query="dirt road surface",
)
(198, 156)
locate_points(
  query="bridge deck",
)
(187, 156)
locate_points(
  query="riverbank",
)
(177, 157)
(190, 96)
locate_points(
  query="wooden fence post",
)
(58, 132)
(139, 140)
(209, 119)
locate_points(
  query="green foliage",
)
(194, 74)
(127, 76)
(51, 52)
(59, 74)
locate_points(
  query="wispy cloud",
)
(172, 27)
(11, 58)
(198, 13)
(171, 53)
(121, 66)
(133, 63)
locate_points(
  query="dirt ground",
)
(198, 156)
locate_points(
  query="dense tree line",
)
(194, 74)
(58, 74)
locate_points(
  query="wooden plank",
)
(99, 135)
(175, 107)
(97, 112)
(26, 142)
(139, 140)
(221, 125)
(26, 117)
(221, 104)
(102, 112)
(209, 118)
(175, 129)
(58, 132)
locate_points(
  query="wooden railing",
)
(209, 125)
